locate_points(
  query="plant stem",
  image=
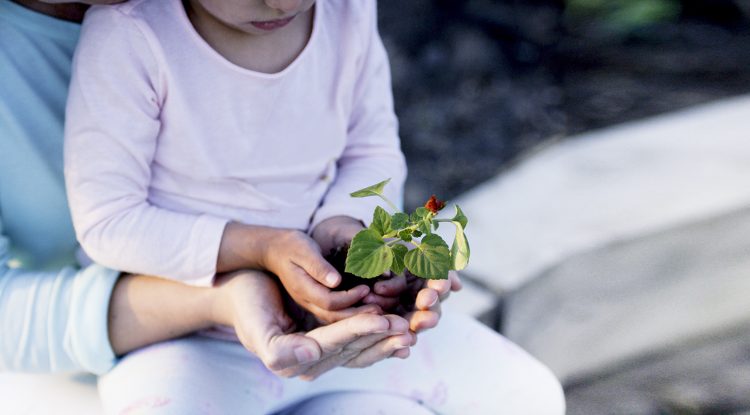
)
(394, 242)
(395, 209)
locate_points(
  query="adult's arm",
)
(54, 320)
(81, 319)
(145, 310)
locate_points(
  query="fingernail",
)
(332, 279)
(434, 301)
(303, 355)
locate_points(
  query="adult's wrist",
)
(244, 247)
(221, 307)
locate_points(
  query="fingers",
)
(382, 350)
(402, 353)
(397, 325)
(421, 320)
(426, 298)
(336, 343)
(336, 336)
(386, 303)
(286, 352)
(455, 280)
(365, 350)
(386, 293)
(308, 291)
(359, 341)
(427, 311)
(313, 263)
(443, 287)
(391, 287)
(328, 317)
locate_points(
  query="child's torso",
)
(254, 147)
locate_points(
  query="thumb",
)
(289, 350)
(319, 269)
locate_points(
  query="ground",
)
(480, 83)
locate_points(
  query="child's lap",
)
(459, 367)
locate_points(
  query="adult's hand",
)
(426, 313)
(251, 303)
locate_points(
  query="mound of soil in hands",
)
(337, 258)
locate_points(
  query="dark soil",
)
(479, 83)
(337, 258)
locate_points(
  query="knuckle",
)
(355, 364)
(325, 317)
(325, 302)
(273, 363)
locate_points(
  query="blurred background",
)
(601, 150)
(479, 82)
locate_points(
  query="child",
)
(183, 118)
(204, 136)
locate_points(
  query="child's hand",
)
(338, 231)
(295, 258)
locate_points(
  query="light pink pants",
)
(460, 367)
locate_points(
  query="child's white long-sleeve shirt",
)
(166, 140)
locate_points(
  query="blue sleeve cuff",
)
(87, 332)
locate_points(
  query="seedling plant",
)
(385, 244)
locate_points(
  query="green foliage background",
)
(624, 15)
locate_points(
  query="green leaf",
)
(399, 252)
(460, 250)
(374, 190)
(399, 221)
(381, 221)
(420, 213)
(424, 226)
(431, 259)
(417, 234)
(405, 235)
(368, 255)
(460, 217)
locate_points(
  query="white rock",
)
(609, 185)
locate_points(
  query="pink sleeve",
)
(112, 123)
(373, 150)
